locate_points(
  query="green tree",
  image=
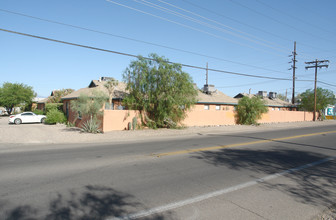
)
(110, 85)
(14, 94)
(323, 98)
(90, 107)
(159, 89)
(58, 94)
(249, 110)
(282, 97)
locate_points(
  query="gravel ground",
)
(328, 214)
(58, 134)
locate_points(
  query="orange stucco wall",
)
(119, 119)
(198, 116)
(286, 116)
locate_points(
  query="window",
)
(79, 115)
(273, 109)
(27, 114)
(217, 107)
(279, 109)
(206, 107)
(109, 106)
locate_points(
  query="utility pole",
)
(317, 63)
(206, 80)
(293, 68)
(286, 94)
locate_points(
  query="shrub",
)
(91, 126)
(55, 116)
(38, 112)
(249, 110)
(52, 106)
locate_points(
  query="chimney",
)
(262, 94)
(272, 95)
(208, 89)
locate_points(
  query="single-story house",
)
(42, 102)
(95, 86)
(213, 108)
(271, 100)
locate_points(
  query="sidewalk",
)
(60, 134)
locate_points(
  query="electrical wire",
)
(240, 35)
(192, 28)
(250, 84)
(245, 24)
(137, 40)
(294, 17)
(273, 19)
(136, 56)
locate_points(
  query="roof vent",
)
(208, 89)
(104, 78)
(262, 94)
(272, 95)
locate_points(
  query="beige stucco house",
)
(213, 108)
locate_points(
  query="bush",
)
(38, 112)
(91, 126)
(53, 106)
(249, 110)
(55, 116)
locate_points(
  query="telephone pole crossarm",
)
(317, 64)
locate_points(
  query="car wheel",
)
(17, 121)
(42, 120)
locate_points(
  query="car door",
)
(27, 117)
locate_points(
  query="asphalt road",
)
(287, 174)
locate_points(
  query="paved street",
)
(283, 174)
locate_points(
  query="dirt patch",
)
(57, 134)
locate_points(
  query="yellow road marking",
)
(239, 144)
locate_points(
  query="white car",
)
(26, 117)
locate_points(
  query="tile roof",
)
(96, 85)
(216, 97)
(269, 102)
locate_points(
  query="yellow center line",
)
(239, 144)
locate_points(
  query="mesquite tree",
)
(160, 90)
(14, 94)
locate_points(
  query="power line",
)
(137, 40)
(291, 16)
(249, 84)
(271, 18)
(136, 56)
(237, 21)
(207, 24)
(192, 28)
(247, 25)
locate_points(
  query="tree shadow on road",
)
(94, 203)
(314, 185)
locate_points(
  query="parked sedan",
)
(26, 117)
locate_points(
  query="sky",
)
(253, 37)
